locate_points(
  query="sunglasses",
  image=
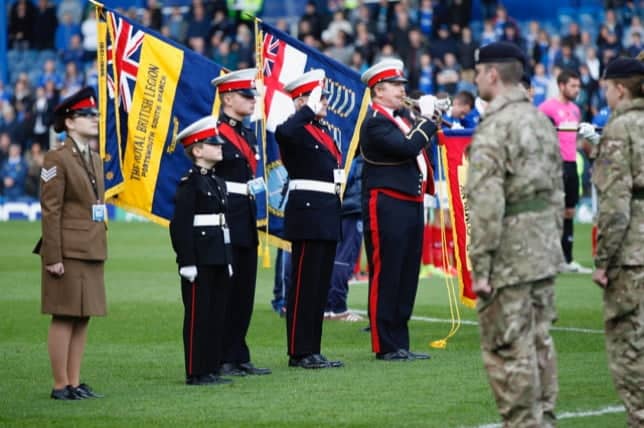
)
(85, 113)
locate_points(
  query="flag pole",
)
(259, 61)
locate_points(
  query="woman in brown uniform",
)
(73, 247)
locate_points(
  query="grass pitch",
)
(134, 355)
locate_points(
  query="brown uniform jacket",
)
(66, 200)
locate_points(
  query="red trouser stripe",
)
(192, 327)
(298, 284)
(375, 276)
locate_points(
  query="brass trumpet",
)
(412, 104)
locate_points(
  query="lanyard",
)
(90, 175)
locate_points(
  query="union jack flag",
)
(271, 53)
(123, 56)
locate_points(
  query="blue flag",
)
(284, 59)
(150, 88)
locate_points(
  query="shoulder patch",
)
(48, 174)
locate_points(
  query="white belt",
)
(312, 185)
(237, 188)
(209, 220)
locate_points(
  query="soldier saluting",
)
(312, 219)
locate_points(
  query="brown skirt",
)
(79, 292)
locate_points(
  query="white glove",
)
(427, 105)
(188, 272)
(443, 104)
(314, 101)
(587, 131)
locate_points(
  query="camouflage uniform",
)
(618, 174)
(515, 198)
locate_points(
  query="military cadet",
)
(201, 240)
(515, 198)
(237, 94)
(73, 247)
(395, 178)
(311, 218)
(618, 175)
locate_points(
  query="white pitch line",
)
(474, 323)
(574, 415)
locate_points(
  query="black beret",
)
(82, 100)
(624, 67)
(499, 52)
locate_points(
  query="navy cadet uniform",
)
(198, 231)
(311, 222)
(395, 177)
(238, 168)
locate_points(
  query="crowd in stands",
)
(52, 53)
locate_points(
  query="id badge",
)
(339, 176)
(98, 212)
(226, 232)
(256, 186)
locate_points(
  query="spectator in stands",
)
(636, 45)
(539, 84)
(582, 47)
(21, 24)
(467, 82)
(635, 27)
(357, 62)
(73, 80)
(501, 18)
(245, 46)
(50, 73)
(511, 35)
(365, 42)
(339, 23)
(5, 142)
(629, 10)
(177, 25)
(41, 118)
(425, 18)
(73, 8)
(410, 54)
(66, 29)
(153, 17)
(382, 17)
(74, 52)
(53, 94)
(303, 30)
(221, 24)
(225, 56)
(462, 114)
(34, 159)
(444, 44)
(90, 36)
(10, 125)
(532, 37)
(488, 35)
(566, 60)
(466, 48)
(426, 80)
(339, 49)
(489, 8)
(460, 13)
(449, 75)
(613, 25)
(313, 18)
(573, 38)
(554, 51)
(607, 41)
(199, 23)
(13, 173)
(399, 35)
(588, 88)
(44, 26)
(592, 62)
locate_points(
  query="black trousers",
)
(393, 234)
(311, 264)
(204, 303)
(240, 305)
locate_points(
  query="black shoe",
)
(308, 362)
(85, 391)
(417, 355)
(329, 363)
(399, 355)
(66, 393)
(231, 369)
(209, 379)
(249, 369)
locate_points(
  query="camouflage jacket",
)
(618, 172)
(514, 194)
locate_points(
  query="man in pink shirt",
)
(565, 115)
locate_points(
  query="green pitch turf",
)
(134, 355)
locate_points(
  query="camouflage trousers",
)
(624, 324)
(519, 353)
